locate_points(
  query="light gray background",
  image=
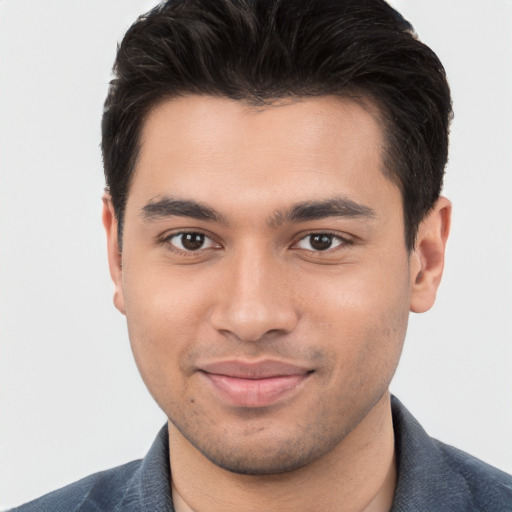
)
(71, 401)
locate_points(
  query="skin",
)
(258, 288)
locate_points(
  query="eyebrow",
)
(301, 212)
(315, 210)
(170, 207)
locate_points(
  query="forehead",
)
(212, 120)
(224, 150)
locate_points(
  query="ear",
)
(114, 253)
(427, 259)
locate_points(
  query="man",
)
(273, 213)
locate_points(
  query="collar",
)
(431, 475)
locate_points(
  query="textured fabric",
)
(435, 477)
(432, 477)
(139, 486)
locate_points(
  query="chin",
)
(253, 462)
(264, 448)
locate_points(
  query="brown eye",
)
(190, 242)
(320, 242)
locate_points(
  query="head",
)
(261, 51)
(273, 172)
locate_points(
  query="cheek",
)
(164, 316)
(164, 299)
(363, 319)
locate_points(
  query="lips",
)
(248, 384)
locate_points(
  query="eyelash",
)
(167, 240)
(341, 242)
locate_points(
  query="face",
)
(264, 275)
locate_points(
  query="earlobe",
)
(113, 251)
(427, 259)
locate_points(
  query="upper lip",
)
(263, 369)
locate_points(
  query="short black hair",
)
(258, 51)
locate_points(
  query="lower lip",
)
(255, 392)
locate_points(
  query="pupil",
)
(321, 242)
(192, 241)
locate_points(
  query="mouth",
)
(248, 384)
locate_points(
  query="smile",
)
(254, 384)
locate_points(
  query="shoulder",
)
(434, 476)
(139, 485)
(487, 487)
(102, 491)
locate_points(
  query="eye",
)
(320, 242)
(190, 241)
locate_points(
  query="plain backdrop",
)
(71, 400)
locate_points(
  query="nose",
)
(254, 300)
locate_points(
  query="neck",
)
(359, 475)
